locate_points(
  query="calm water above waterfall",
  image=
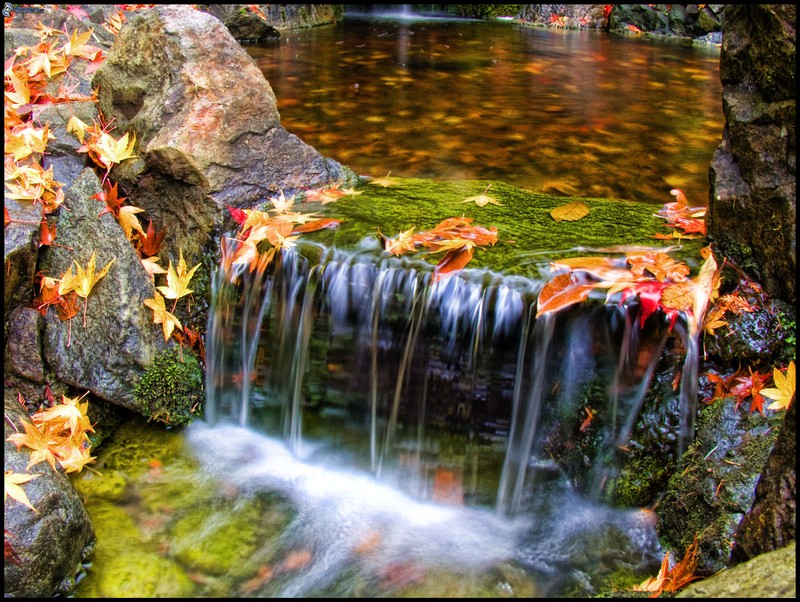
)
(564, 112)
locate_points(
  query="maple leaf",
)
(483, 199)
(129, 221)
(111, 198)
(560, 292)
(110, 151)
(69, 414)
(35, 440)
(12, 482)
(151, 266)
(150, 243)
(78, 127)
(19, 94)
(162, 316)
(751, 386)
(783, 392)
(672, 579)
(238, 215)
(385, 181)
(178, 281)
(83, 282)
(570, 212)
(454, 260)
(281, 203)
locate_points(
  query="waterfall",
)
(375, 361)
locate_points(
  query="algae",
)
(528, 236)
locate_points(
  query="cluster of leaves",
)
(454, 235)
(57, 436)
(263, 232)
(748, 384)
(685, 221)
(27, 77)
(674, 578)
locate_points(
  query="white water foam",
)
(340, 510)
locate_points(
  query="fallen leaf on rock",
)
(570, 212)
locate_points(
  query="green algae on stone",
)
(137, 574)
(528, 236)
(109, 485)
(135, 444)
(222, 540)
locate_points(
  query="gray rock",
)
(109, 355)
(752, 173)
(49, 544)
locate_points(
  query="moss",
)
(171, 388)
(222, 540)
(136, 574)
(484, 11)
(640, 481)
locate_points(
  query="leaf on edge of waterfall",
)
(560, 292)
(571, 212)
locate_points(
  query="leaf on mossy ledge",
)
(571, 212)
(783, 392)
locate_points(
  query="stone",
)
(110, 354)
(175, 78)
(752, 173)
(24, 344)
(771, 522)
(771, 575)
(49, 544)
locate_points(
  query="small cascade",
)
(452, 389)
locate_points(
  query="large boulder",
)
(109, 354)
(772, 521)
(47, 545)
(752, 173)
(206, 123)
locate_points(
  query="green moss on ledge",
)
(171, 388)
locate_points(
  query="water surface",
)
(581, 113)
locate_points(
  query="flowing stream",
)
(370, 433)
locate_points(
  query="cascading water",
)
(343, 382)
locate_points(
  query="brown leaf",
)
(562, 291)
(454, 260)
(570, 212)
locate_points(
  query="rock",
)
(110, 354)
(770, 575)
(49, 544)
(24, 344)
(752, 173)
(175, 77)
(714, 484)
(771, 522)
(243, 24)
(20, 244)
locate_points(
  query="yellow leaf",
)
(570, 212)
(281, 203)
(13, 480)
(34, 439)
(129, 221)
(162, 316)
(78, 127)
(151, 266)
(178, 281)
(70, 415)
(385, 181)
(111, 151)
(483, 199)
(784, 391)
(19, 83)
(85, 280)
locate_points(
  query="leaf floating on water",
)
(483, 199)
(571, 212)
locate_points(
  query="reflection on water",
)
(565, 112)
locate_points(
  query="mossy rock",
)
(135, 445)
(109, 518)
(137, 574)
(223, 540)
(108, 485)
(171, 389)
